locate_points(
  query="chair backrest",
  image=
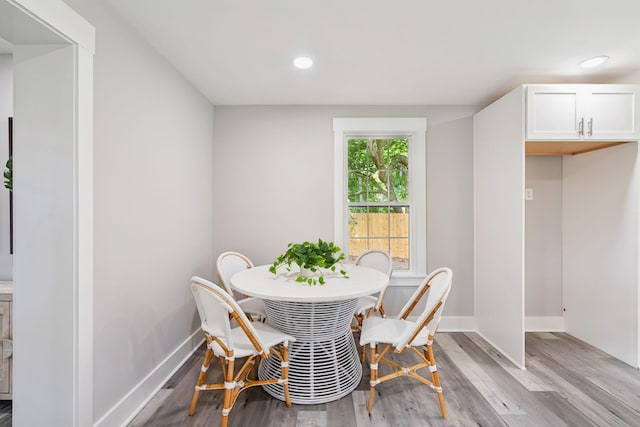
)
(436, 287)
(228, 264)
(379, 260)
(215, 307)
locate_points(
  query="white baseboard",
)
(457, 324)
(544, 324)
(454, 323)
(128, 407)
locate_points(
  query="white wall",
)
(44, 291)
(6, 110)
(600, 249)
(273, 181)
(543, 237)
(499, 224)
(153, 214)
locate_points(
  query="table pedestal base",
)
(324, 364)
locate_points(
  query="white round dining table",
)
(323, 365)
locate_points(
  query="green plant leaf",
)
(313, 256)
(8, 174)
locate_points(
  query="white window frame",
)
(415, 129)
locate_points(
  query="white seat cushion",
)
(243, 347)
(253, 306)
(389, 331)
(365, 303)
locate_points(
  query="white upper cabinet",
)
(583, 112)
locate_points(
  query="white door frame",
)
(36, 23)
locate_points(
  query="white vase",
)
(306, 272)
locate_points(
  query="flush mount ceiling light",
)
(303, 62)
(594, 62)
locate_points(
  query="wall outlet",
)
(528, 193)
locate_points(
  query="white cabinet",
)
(6, 343)
(583, 112)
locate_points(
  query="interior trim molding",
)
(135, 400)
(544, 324)
(457, 324)
(454, 323)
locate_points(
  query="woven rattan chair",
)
(230, 263)
(381, 261)
(250, 340)
(382, 335)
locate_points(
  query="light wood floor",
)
(567, 383)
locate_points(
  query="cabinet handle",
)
(590, 124)
(581, 126)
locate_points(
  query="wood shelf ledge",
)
(565, 148)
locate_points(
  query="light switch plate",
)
(528, 193)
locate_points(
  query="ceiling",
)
(381, 52)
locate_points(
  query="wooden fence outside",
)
(386, 231)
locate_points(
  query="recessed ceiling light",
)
(303, 62)
(594, 62)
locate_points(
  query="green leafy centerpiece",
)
(8, 175)
(312, 259)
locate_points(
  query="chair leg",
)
(201, 379)
(436, 380)
(226, 405)
(373, 363)
(359, 320)
(285, 372)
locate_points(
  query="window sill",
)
(406, 279)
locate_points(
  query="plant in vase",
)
(8, 175)
(311, 259)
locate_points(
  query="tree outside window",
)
(378, 197)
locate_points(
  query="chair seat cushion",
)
(390, 331)
(253, 306)
(243, 347)
(365, 303)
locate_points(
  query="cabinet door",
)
(554, 112)
(5, 347)
(612, 112)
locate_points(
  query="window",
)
(377, 197)
(380, 200)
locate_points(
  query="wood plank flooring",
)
(567, 383)
(5, 413)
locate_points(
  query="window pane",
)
(357, 155)
(358, 222)
(376, 148)
(397, 150)
(399, 237)
(356, 247)
(378, 222)
(382, 244)
(378, 174)
(379, 188)
(357, 190)
(380, 227)
(399, 180)
(358, 231)
(400, 253)
(399, 222)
